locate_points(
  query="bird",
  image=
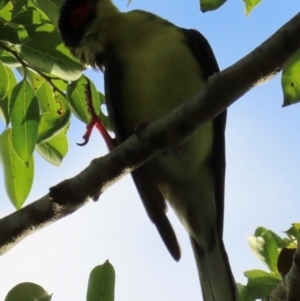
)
(152, 66)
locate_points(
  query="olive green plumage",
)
(151, 67)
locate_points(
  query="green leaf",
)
(76, 96)
(60, 84)
(3, 3)
(13, 33)
(241, 291)
(208, 5)
(265, 248)
(4, 103)
(296, 226)
(27, 291)
(103, 117)
(8, 60)
(12, 80)
(24, 113)
(250, 4)
(4, 115)
(45, 96)
(55, 149)
(21, 5)
(260, 231)
(18, 176)
(260, 283)
(37, 80)
(290, 81)
(243, 294)
(30, 16)
(51, 8)
(47, 53)
(293, 234)
(101, 283)
(56, 119)
(6, 11)
(281, 242)
(4, 81)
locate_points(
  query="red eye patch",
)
(79, 15)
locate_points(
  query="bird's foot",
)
(96, 122)
(139, 127)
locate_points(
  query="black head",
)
(74, 19)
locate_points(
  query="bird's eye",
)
(79, 15)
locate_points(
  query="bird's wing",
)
(151, 197)
(208, 65)
(215, 274)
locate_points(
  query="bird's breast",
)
(159, 72)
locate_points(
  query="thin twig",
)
(25, 65)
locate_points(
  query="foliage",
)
(101, 283)
(28, 291)
(101, 287)
(208, 5)
(36, 110)
(277, 254)
(250, 4)
(291, 81)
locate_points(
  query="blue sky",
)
(262, 182)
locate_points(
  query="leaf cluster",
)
(41, 85)
(277, 254)
(101, 287)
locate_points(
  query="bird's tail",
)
(215, 274)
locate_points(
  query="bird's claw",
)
(85, 142)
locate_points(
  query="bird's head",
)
(81, 27)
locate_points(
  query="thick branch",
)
(220, 92)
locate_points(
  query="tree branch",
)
(220, 91)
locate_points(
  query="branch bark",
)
(220, 91)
